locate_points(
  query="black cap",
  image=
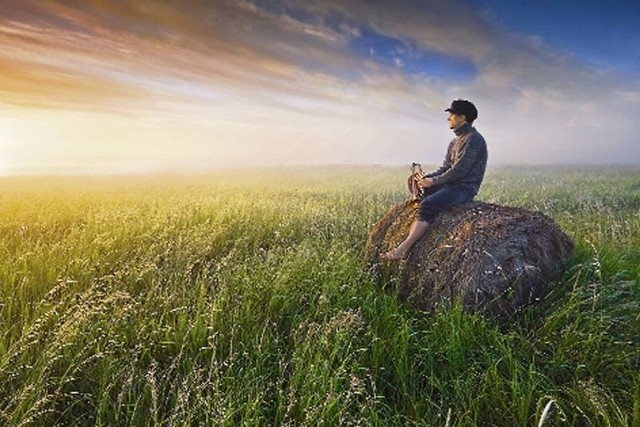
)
(463, 107)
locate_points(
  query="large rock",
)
(494, 259)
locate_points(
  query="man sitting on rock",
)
(456, 182)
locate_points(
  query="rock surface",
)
(495, 259)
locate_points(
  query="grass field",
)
(240, 298)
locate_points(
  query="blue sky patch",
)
(410, 58)
(393, 52)
(600, 33)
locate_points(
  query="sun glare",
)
(5, 136)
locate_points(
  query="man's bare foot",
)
(392, 255)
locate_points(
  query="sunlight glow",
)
(100, 87)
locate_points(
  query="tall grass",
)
(240, 298)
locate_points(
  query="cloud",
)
(240, 70)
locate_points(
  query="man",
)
(457, 181)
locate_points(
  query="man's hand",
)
(424, 182)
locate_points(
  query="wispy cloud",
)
(345, 76)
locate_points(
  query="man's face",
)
(455, 121)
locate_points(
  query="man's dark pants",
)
(438, 199)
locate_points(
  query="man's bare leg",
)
(417, 231)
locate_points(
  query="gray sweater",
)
(466, 160)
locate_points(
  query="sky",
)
(135, 86)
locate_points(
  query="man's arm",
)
(471, 153)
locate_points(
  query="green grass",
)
(240, 298)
